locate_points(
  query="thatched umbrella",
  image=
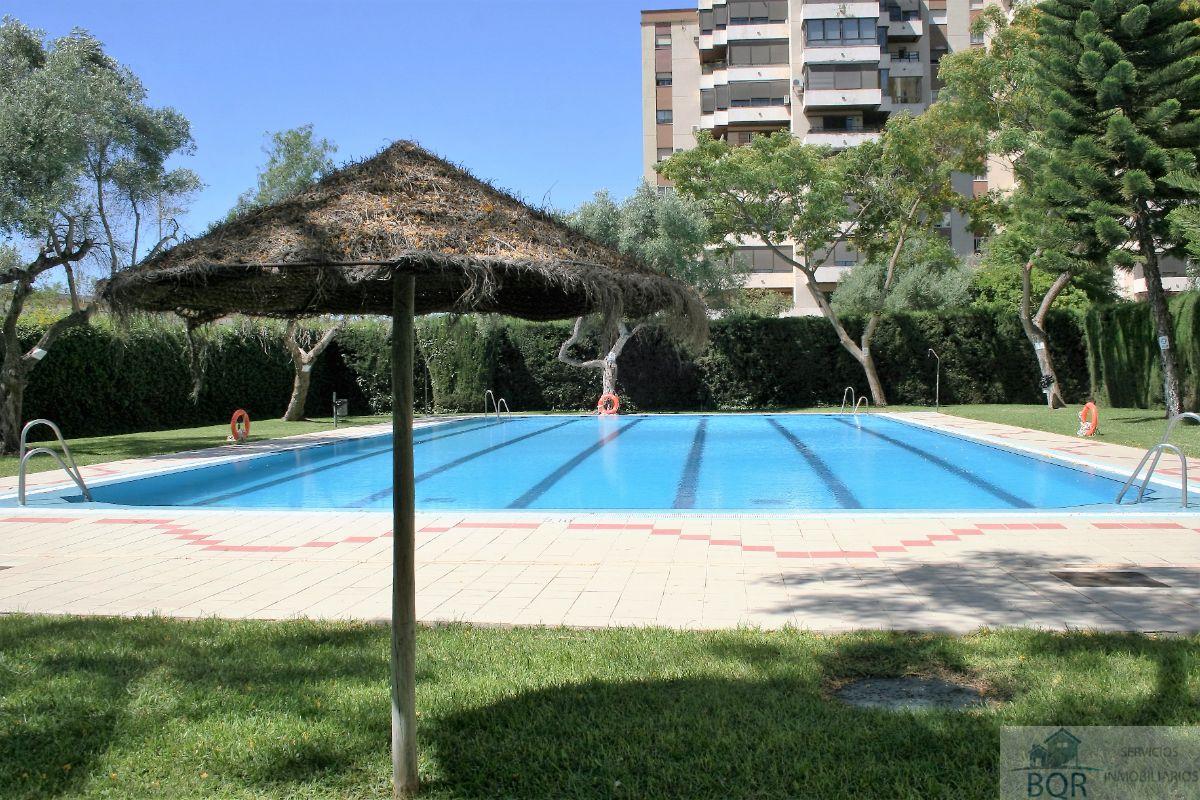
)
(401, 233)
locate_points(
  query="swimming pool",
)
(735, 462)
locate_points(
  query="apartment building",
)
(829, 72)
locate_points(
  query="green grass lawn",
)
(1137, 427)
(98, 449)
(152, 708)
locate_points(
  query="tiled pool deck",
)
(840, 571)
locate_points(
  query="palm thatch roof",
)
(333, 248)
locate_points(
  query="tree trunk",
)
(1163, 324)
(861, 354)
(302, 364)
(606, 365)
(295, 409)
(1035, 329)
(12, 398)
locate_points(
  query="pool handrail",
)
(25, 454)
(488, 393)
(862, 401)
(502, 404)
(1154, 455)
(849, 390)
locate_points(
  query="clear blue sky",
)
(540, 96)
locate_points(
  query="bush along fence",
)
(108, 378)
(1123, 360)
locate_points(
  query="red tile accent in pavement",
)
(1135, 526)
(360, 539)
(131, 521)
(1050, 526)
(991, 526)
(916, 543)
(942, 537)
(698, 537)
(426, 529)
(318, 544)
(791, 553)
(889, 548)
(966, 532)
(46, 520)
(725, 542)
(758, 548)
(666, 532)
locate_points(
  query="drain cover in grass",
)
(909, 694)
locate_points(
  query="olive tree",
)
(82, 174)
(296, 159)
(663, 231)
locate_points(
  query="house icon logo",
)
(1060, 749)
(1054, 770)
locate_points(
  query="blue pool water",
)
(757, 462)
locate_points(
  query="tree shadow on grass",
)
(704, 737)
(83, 692)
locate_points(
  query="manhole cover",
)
(1107, 578)
(909, 694)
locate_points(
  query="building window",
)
(904, 89)
(662, 40)
(757, 93)
(897, 14)
(977, 245)
(977, 37)
(835, 123)
(756, 12)
(662, 79)
(664, 153)
(904, 54)
(841, 76)
(840, 32)
(976, 4)
(664, 116)
(764, 259)
(758, 54)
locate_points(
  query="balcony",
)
(712, 41)
(758, 114)
(842, 98)
(910, 103)
(905, 68)
(775, 72)
(840, 140)
(830, 9)
(840, 55)
(906, 29)
(772, 30)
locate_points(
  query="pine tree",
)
(1124, 81)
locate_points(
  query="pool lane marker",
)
(547, 482)
(841, 492)
(975, 480)
(291, 476)
(429, 473)
(685, 495)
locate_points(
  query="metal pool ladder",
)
(1154, 454)
(68, 466)
(862, 401)
(503, 404)
(848, 393)
(496, 405)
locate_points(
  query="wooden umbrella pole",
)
(404, 595)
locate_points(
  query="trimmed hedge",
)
(1123, 358)
(107, 379)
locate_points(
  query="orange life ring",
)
(1089, 420)
(243, 433)
(608, 403)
